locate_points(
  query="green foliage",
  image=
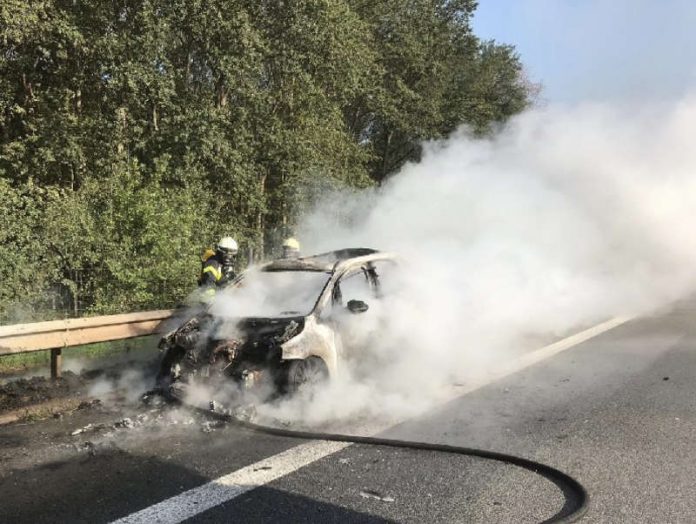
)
(132, 133)
(435, 76)
(27, 267)
(140, 238)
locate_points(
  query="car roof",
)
(335, 263)
(326, 262)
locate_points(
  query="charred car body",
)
(276, 327)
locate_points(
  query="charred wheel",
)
(305, 374)
(171, 358)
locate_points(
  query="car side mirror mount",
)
(357, 306)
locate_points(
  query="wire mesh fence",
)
(86, 292)
(80, 292)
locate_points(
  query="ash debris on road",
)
(106, 431)
(25, 392)
(28, 396)
(372, 494)
(150, 421)
(104, 407)
(91, 414)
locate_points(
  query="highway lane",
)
(616, 412)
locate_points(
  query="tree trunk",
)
(77, 97)
(385, 155)
(260, 219)
(221, 94)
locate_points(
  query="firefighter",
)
(219, 268)
(291, 248)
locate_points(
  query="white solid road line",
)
(529, 359)
(223, 489)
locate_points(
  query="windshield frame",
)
(237, 282)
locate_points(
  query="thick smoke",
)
(565, 217)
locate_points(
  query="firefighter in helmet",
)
(218, 269)
(291, 248)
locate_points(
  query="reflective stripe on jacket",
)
(211, 274)
(216, 272)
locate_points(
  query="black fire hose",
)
(576, 496)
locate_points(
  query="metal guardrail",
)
(55, 335)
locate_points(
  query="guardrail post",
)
(56, 363)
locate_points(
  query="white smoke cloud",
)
(567, 216)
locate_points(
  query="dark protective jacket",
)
(214, 273)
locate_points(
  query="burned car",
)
(280, 326)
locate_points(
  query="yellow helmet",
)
(291, 248)
(291, 243)
(207, 254)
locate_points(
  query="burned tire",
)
(305, 374)
(165, 375)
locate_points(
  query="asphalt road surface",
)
(617, 412)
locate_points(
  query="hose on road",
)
(576, 497)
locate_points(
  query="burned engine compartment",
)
(251, 357)
(281, 324)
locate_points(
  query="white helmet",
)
(227, 245)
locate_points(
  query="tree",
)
(436, 75)
(316, 61)
(136, 131)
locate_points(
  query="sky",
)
(598, 50)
